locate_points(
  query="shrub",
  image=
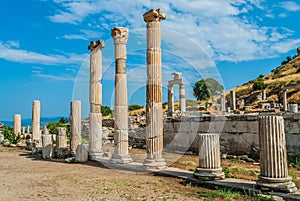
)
(105, 110)
(258, 85)
(134, 107)
(9, 135)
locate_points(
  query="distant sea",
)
(26, 122)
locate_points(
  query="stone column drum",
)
(36, 116)
(273, 156)
(61, 137)
(121, 154)
(95, 132)
(17, 124)
(182, 98)
(170, 100)
(47, 143)
(232, 100)
(75, 125)
(154, 113)
(209, 158)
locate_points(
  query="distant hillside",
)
(26, 122)
(283, 76)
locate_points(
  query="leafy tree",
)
(258, 85)
(205, 88)
(134, 107)
(105, 110)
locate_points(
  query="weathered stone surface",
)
(82, 153)
(293, 108)
(232, 100)
(17, 124)
(95, 136)
(36, 113)
(61, 137)
(45, 130)
(47, 142)
(75, 125)
(273, 157)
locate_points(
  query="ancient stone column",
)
(121, 155)
(17, 124)
(36, 112)
(209, 158)
(75, 125)
(95, 131)
(45, 130)
(95, 136)
(223, 102)
(23, 130)
(47, 143)
(170, 100)
(285, 101)
(263, 94)
(154, 113)
(273, 156)
(182, 98)
(232, 100)
(293, 108)
(61, 137)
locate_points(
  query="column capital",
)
(95, 44)
(120, 34)
(154, 15)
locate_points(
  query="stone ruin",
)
(272, 143)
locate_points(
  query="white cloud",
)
(54, 77)
(290, 6)
(84, 34)
(10, 53)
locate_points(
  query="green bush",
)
(134, 107)
(258, 85)
(105, 110)
(9, 135)
(63, 122)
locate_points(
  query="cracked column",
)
(121, 155)
(17, 124)
(95, 130)
(75, 125)
(154, 112)
(273, 156)
(170, 100)
(209, 158)
(36, 116)
(182, 98)
(232, 100)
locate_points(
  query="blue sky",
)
(44, 55)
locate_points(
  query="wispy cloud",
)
(225, 30)
(84, 34)
(11, 52)
(290, 6)
(55, 77)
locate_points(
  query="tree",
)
(258, 85)
(105, 110)
(205, 88)
(134, 107)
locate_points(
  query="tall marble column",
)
(273, 156)
(121, 154)
(36, 116)
(232, 100)
(285, 103)
(223, 102)
(17, 124)
(154, 112)
(170, 100)
(75, 125)
(95, 131)
(209, 158)
(182, 98)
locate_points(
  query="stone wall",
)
(239, 133)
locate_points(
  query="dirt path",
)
(23, 177)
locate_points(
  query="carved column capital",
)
(154, 15)
(95, 44)
(120, 34)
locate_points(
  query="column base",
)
(120, 159)
(155, 164)
(95, 155)
(209, 174)
(276, 184)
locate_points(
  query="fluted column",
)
(95, 131)
(61, 137)
(36, 116)
(232, 100)
(154, 113)
(182, 98)
(273, 156)
(170, 100)
(75, 125)
(121, 154)
(209, 157)
(17, 124)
